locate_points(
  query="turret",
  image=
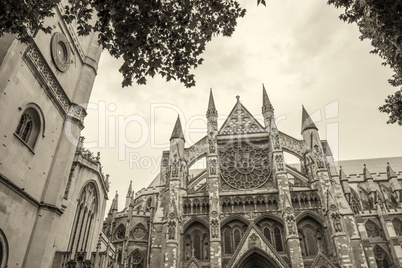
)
(345, 184)
(177, 150)
(310, 132)
(393, 181)
(368, 178)
(129, 195)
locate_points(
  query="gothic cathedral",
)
(52, 192)
(248, 208)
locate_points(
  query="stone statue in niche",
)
(214, 203)
(290, 224)
(211, 142)
(212, 166)
(279, 162)
(319, 157)
(171, 230)
(175, 166)
(336, 219)
(214, 228)
(275, 139)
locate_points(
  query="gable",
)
(253, 239)
(240, 121)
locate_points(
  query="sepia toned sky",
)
(303, 54)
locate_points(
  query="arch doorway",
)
(256, 258)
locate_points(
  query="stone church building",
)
(245, 206)
(248, 208)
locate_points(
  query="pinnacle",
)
(307, 122)
(211, 105)
(366, 173)
(390, 172)
(177, 130)
(130, 188)
(115, 202)
(266, 104)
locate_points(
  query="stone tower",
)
(44, 88)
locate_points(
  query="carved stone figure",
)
(336, 219)
(279, 162)
(212, 166)
(175, 166)
(290, 223)
(171, 230)
(214, 228)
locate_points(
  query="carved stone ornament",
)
(254, 241)
(290, 222)
(171, 230)
(336, 220)
(245, 167)
(61, 53)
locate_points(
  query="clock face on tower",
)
(61, 53)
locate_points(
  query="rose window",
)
(139, 233)
(245, 167)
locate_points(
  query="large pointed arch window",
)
(85, 217)
(227, 241)
(311, 237)
(196, 242)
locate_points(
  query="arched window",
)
(267, 234)
(3, 250)
(311, 241)
(29, 127)
(278, 239)
(136, 259)
(372, 229)
(397, 226)
(196, 242)
(120, 232)
(381, 258)
(84, 219)
(227, 242)
(311, 237)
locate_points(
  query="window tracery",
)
(29, 127)
(136, 260)
(311, 237)
(372, 229)
(232, 235)
(84, 218)
(196, 242)
(120, 232)
(245, 167)
(381, 258)
(397, 226)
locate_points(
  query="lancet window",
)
(196, 242)
(84, 221)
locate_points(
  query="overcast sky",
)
(303, 54)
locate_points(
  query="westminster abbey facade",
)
(248, 208)
(245, 206)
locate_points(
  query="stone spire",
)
(366, 173)
(115, 202)
(130, 189)
(129, 195)
(177, 130)
(390, 173)
(307, 122)
(266, 103)
(211, 105)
